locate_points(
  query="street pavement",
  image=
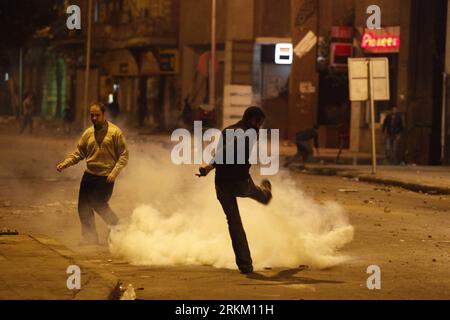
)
(35, 268)
(404, 231)
(433, 180)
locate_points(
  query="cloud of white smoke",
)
(180, 222)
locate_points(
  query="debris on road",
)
(54, 204)
(6, 204)
(129, 293)
(8, 232)
(348, 190)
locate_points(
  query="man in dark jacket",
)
(233, 180)
(393, 128)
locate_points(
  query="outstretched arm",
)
(75, 157)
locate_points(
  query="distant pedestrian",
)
(28, 111)
(393, 128)
(343, 129)
(303, 140)
(186, 114)
(114, 109)
(105, 151)
(69, 117)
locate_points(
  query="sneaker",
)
(246, 270)
(267, 188)
(266, 185)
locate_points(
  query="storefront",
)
(140, 85)
(385, 42)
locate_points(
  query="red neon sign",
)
(374, 42)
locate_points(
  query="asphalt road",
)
(405, 233)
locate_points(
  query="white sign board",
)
(306, 44)
(358, 74)
(237, 99)
(284, 53)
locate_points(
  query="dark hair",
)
(253, 112)
(100, 105)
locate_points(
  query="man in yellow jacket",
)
(105, 151)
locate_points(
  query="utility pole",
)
(88, 64)
(372, 116)
(212, 68)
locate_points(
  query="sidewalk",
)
(432, 180)
(34, 268)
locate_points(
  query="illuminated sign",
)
(340, 52)
(284, 53)
(373, 42)
(382, 41)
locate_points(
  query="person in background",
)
(68, 119)
(114, 109)
(28, 111)
(393, 128)
(105, 151)
(303, 141)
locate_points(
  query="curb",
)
(348, 173)
(104, 286)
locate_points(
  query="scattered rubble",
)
(8, 232)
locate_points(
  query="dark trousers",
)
(227, 194)
(392, 147)
(95, 193)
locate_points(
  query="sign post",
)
(372, 119)
(369, 81)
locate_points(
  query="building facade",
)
(247, 31)
(135, 60)
(149, 56)
(412, 37)
(135, 63)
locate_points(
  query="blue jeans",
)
(392, 144)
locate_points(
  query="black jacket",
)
(226, 173)
(393, 124)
